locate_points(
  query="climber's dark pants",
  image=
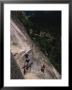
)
(25, 68)
(42, 70)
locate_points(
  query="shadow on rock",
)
(15, 70)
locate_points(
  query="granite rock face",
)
(21, 44)
(15, 70)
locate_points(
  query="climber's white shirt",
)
(65, 30)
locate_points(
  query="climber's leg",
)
(42, 70)
(24, 71)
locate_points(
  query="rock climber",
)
(28, 63)
(43, 68)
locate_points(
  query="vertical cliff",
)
(21, 44)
